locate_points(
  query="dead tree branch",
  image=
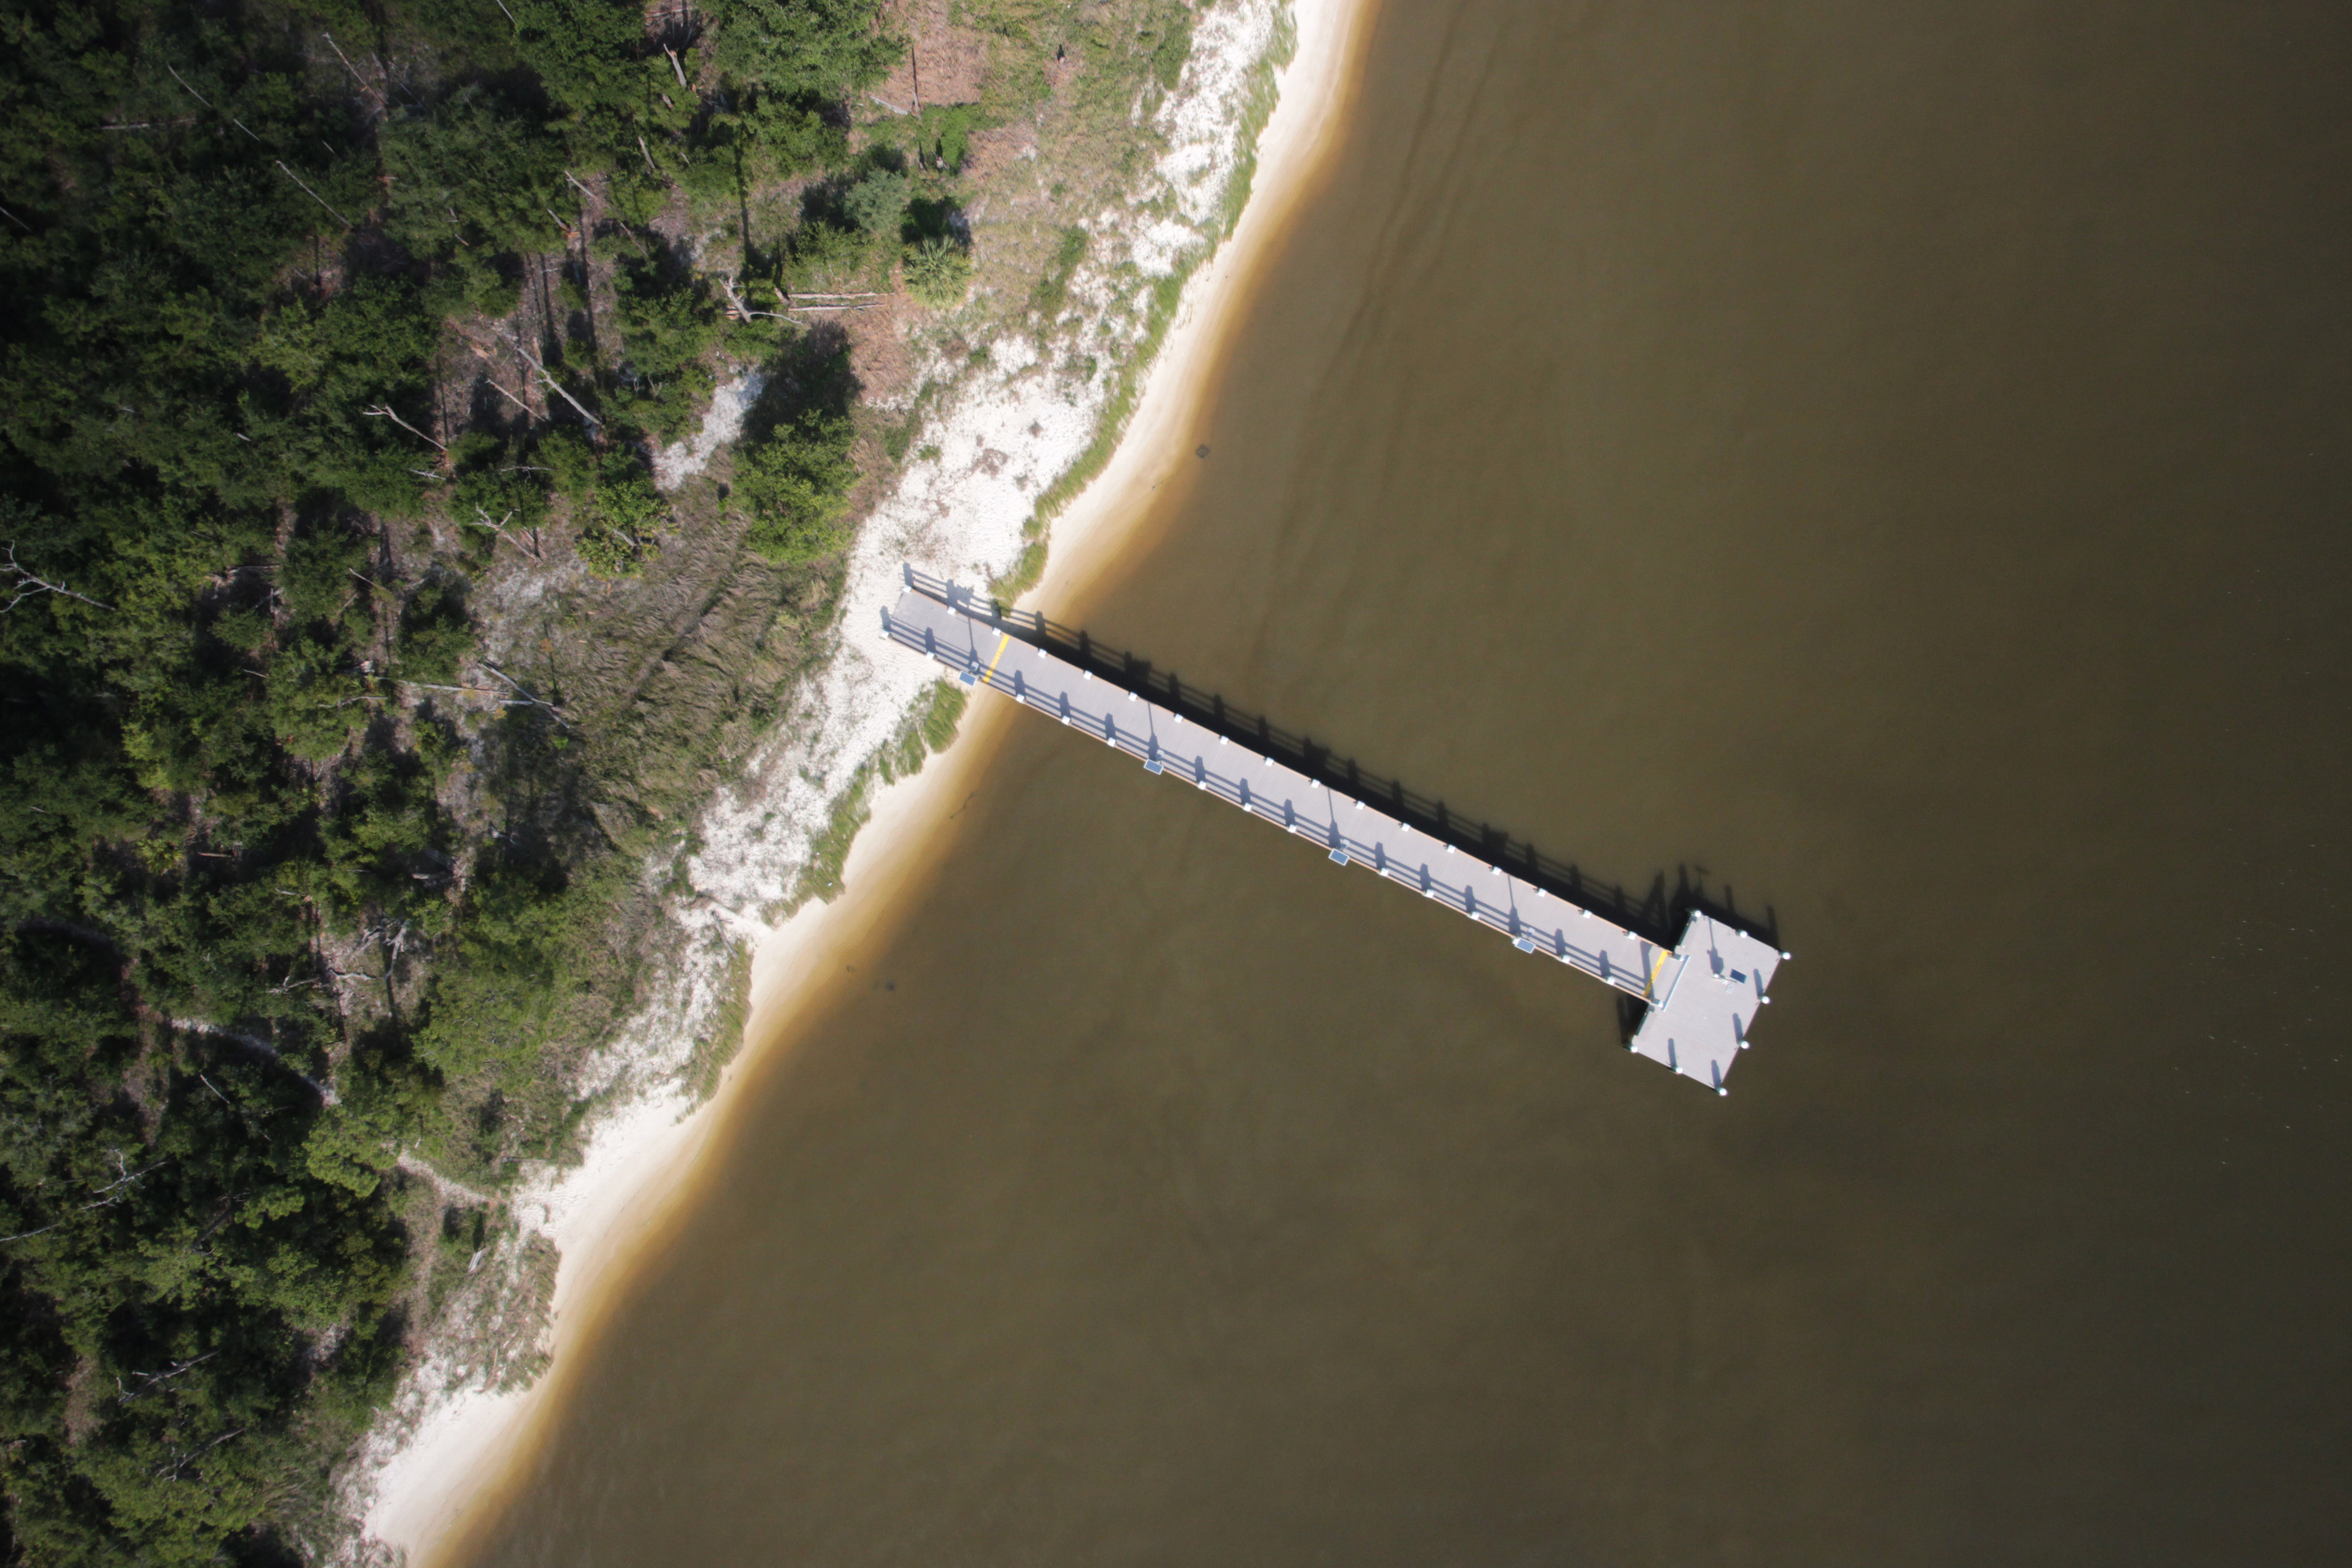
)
(150, 1381)
(25, 585)
(595, 424)
(553, 710)
(311, 193)
(384, 411)
(381, 102)
(200, 98)
(499, 527)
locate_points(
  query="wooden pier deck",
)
(1701, 995)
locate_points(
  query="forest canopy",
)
(313, 308)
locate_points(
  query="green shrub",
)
(476, 170)
(785, 64)
(795, 485)
(501, 487)
(435, 633)
(668, 330)
(569, 460)
(940, 136)
(1053, 289)
(321, 582)
(491, 287)
(826, 257)
(590, 55)
(938, 272)
(878, 203)
(492, 997)
(1174, 47)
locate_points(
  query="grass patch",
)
(1118, 409)
(932, 726)
(829, 850)
(1257, 108)
(1127, 390)
(1028, 569)
(1053, 289)
(714, 1050)
(928, 727)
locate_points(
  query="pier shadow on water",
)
(1659, 914)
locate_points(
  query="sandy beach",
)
(643, 1162)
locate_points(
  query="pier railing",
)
(1659, 915)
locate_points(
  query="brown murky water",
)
(1891, 457)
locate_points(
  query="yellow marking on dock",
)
(1650, 986)
(1003, 641)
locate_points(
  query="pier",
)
(1699, 998)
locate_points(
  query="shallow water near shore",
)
(1891, 464)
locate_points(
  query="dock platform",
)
(1701, 997)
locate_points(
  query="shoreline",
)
(467, 1453)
